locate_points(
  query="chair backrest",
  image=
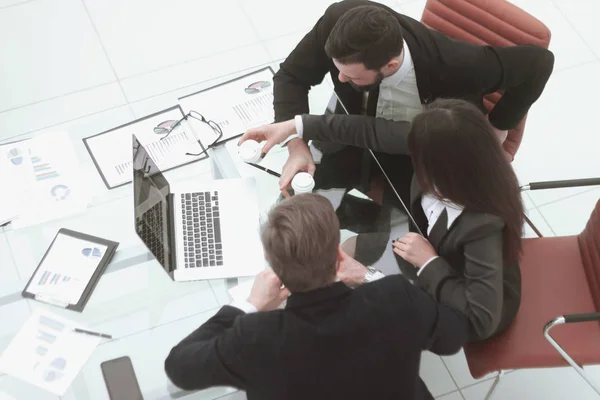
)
(491, 22)
(589, 246)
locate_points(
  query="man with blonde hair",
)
(337, 338)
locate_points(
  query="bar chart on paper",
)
(43, 170)
(66, 269)
(167, 136)
(159, 150)
(124, 168)
(52, 278)
(44, 176)
(163, 149)
(238, 105)
(47, 332)
(255, 111)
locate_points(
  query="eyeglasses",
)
(166, 127)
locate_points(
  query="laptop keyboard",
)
(201, 229)
(150, 229)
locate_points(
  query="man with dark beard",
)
(387, 65)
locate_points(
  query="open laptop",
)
(201, 230)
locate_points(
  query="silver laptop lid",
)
(153, 218)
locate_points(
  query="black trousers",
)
(353, 168)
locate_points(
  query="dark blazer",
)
(444, 67)
(469, 274)
(330, 343)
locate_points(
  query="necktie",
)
(439, 229)
(372, 102)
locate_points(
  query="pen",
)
(268, 171)
(103, 335)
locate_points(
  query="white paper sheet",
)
(44, 178)
(15, 173)
(236, 106)
(47, 353)
(113, 149)
(9, 207)
(241, 292)
(67, 269)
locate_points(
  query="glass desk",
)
(136, 301)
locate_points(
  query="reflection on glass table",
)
(136, 301)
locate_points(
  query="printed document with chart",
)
(42, 179)
(237, 105)
(164, 135)
(47, 352)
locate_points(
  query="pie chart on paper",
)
(90, 252)
(257, 87)
(15, 156)
(60, 192)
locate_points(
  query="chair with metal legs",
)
(560, 286)
(556, 185)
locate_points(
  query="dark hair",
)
(457, 156)
(301, 239)
(369, 35)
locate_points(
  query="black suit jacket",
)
(331, 343)
(444, 67)
(470, 274)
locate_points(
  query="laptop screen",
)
(151, 208)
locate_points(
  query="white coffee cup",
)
(303, 183)
(249, 151)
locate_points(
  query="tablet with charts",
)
(70, 269)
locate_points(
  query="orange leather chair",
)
(492, 22)
(560, 276)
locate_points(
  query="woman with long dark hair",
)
(465, 200)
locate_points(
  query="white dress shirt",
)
(433, 207)
(399, 98)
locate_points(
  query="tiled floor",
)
(89, 65)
